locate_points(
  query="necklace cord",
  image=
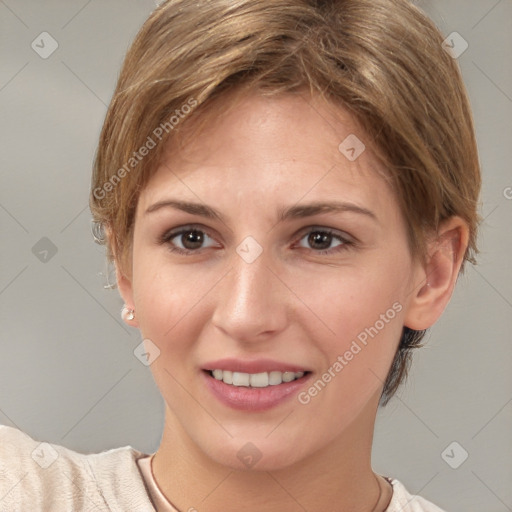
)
(374, 509)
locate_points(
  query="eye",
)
(189, 239)
(320, 239)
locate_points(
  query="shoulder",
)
(37, 476)
(403, 501)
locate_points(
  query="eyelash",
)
(169, 235)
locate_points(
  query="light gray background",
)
(68, 374)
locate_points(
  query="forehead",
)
(286, 148)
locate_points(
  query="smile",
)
(254, 391)
(255, 380)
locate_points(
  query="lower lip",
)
(253, 399)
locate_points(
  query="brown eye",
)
(186, 240)
(320, 240)
(192, 239)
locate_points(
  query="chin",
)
(258, 455)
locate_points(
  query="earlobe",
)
(125, 289)
(435, 281)
(124, 286)
(128, 315)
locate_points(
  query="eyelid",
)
(346, 239)
(173, 232)
(332, 231)
(306, 229)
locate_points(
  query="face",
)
(269, 286)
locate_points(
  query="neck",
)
(338, 473)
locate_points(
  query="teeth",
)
(275, 378)
(288, 376)
(255, 380)
(259, 380)
(240, 379)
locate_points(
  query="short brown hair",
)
(382, 60)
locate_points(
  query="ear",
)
(124, 282)
(434, 282)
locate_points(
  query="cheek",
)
(361, 318)
(167, 298)
(366, 317)
(353, 300)
(168, 305)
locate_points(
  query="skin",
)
(291, 304)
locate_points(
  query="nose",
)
(251, 300)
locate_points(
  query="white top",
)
(39, 476)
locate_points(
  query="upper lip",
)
(253, 366)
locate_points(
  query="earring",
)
(127, 313)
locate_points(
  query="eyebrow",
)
(291, 212)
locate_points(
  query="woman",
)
(289, 191)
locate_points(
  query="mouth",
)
(255, 380)
(254, 385)
(255, 392)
